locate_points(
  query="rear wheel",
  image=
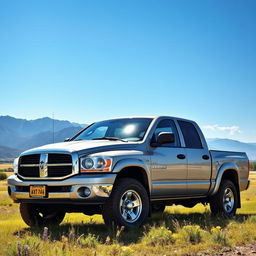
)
(225, 201)
(34, 215)
(128, 204)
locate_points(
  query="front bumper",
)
(100, 186)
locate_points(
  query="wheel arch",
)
(133, 168)
(228, 171)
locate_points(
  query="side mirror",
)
(163, 138)
(67, 139)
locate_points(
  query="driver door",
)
(168, 164)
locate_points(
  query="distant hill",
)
(7, 153)
(47, 137)
(24, 128)
(233, 145)
(17, 135)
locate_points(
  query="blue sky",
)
(91, 60)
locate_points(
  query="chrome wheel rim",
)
(228, 200)
(130, 206)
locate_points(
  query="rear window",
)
(190, 134)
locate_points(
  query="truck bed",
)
(239, 159)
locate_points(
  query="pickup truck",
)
(125, 169)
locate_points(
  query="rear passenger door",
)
(199, 162)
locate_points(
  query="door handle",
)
(181, 156)
(205, 157)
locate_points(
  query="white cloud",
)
(232, 130)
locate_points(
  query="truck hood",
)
(83, 145)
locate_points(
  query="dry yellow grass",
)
(5, 165)
(163, 234)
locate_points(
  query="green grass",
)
(178, 231)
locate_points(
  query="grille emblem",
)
(43, 169)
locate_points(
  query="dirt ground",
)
(243, 250)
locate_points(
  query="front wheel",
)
(128, 204)
(225, 201)
(34, 215)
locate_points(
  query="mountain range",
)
(233, 145)
(17, 135)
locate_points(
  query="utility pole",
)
(52, 127)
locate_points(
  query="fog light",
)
(84, 192)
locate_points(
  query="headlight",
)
(95, 164)
(87, 163)
(15, 165)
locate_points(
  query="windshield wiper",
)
(110, 138)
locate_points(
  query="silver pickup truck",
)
(125, 169)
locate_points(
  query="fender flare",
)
(223, 168)
(132, 162)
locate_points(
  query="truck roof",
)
(153, 117)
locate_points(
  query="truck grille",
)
(45, 165)
(59, 158)
(30, 159)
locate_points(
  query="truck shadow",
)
(127, 235)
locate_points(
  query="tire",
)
(157, 208)
(33, 215)
(120, 209)
(225, 201)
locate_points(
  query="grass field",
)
(5, 165)
(178, 231)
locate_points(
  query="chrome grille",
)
(45, 165)
(29, 171)
(59, 158)
(30, 159)
(58, 171)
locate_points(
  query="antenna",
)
(52, 127)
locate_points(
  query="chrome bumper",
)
(100, 186)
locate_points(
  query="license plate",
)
(37, 191)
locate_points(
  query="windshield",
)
(126, 129)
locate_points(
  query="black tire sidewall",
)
(229, 184)
(27, 214)
(217, 205)
(32, 218)
(121, 187)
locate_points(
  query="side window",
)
(167, 125)
(190, 134)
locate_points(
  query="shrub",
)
(191, 233)
(90, 241)
(27, 246)
(219, 236)
(6, 170)
(3, 176)
(127, 251)
(158, 236)
(252, 219)
(118, 250)
(245, 233)
(253, 166)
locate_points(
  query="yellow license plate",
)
(37, 191)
